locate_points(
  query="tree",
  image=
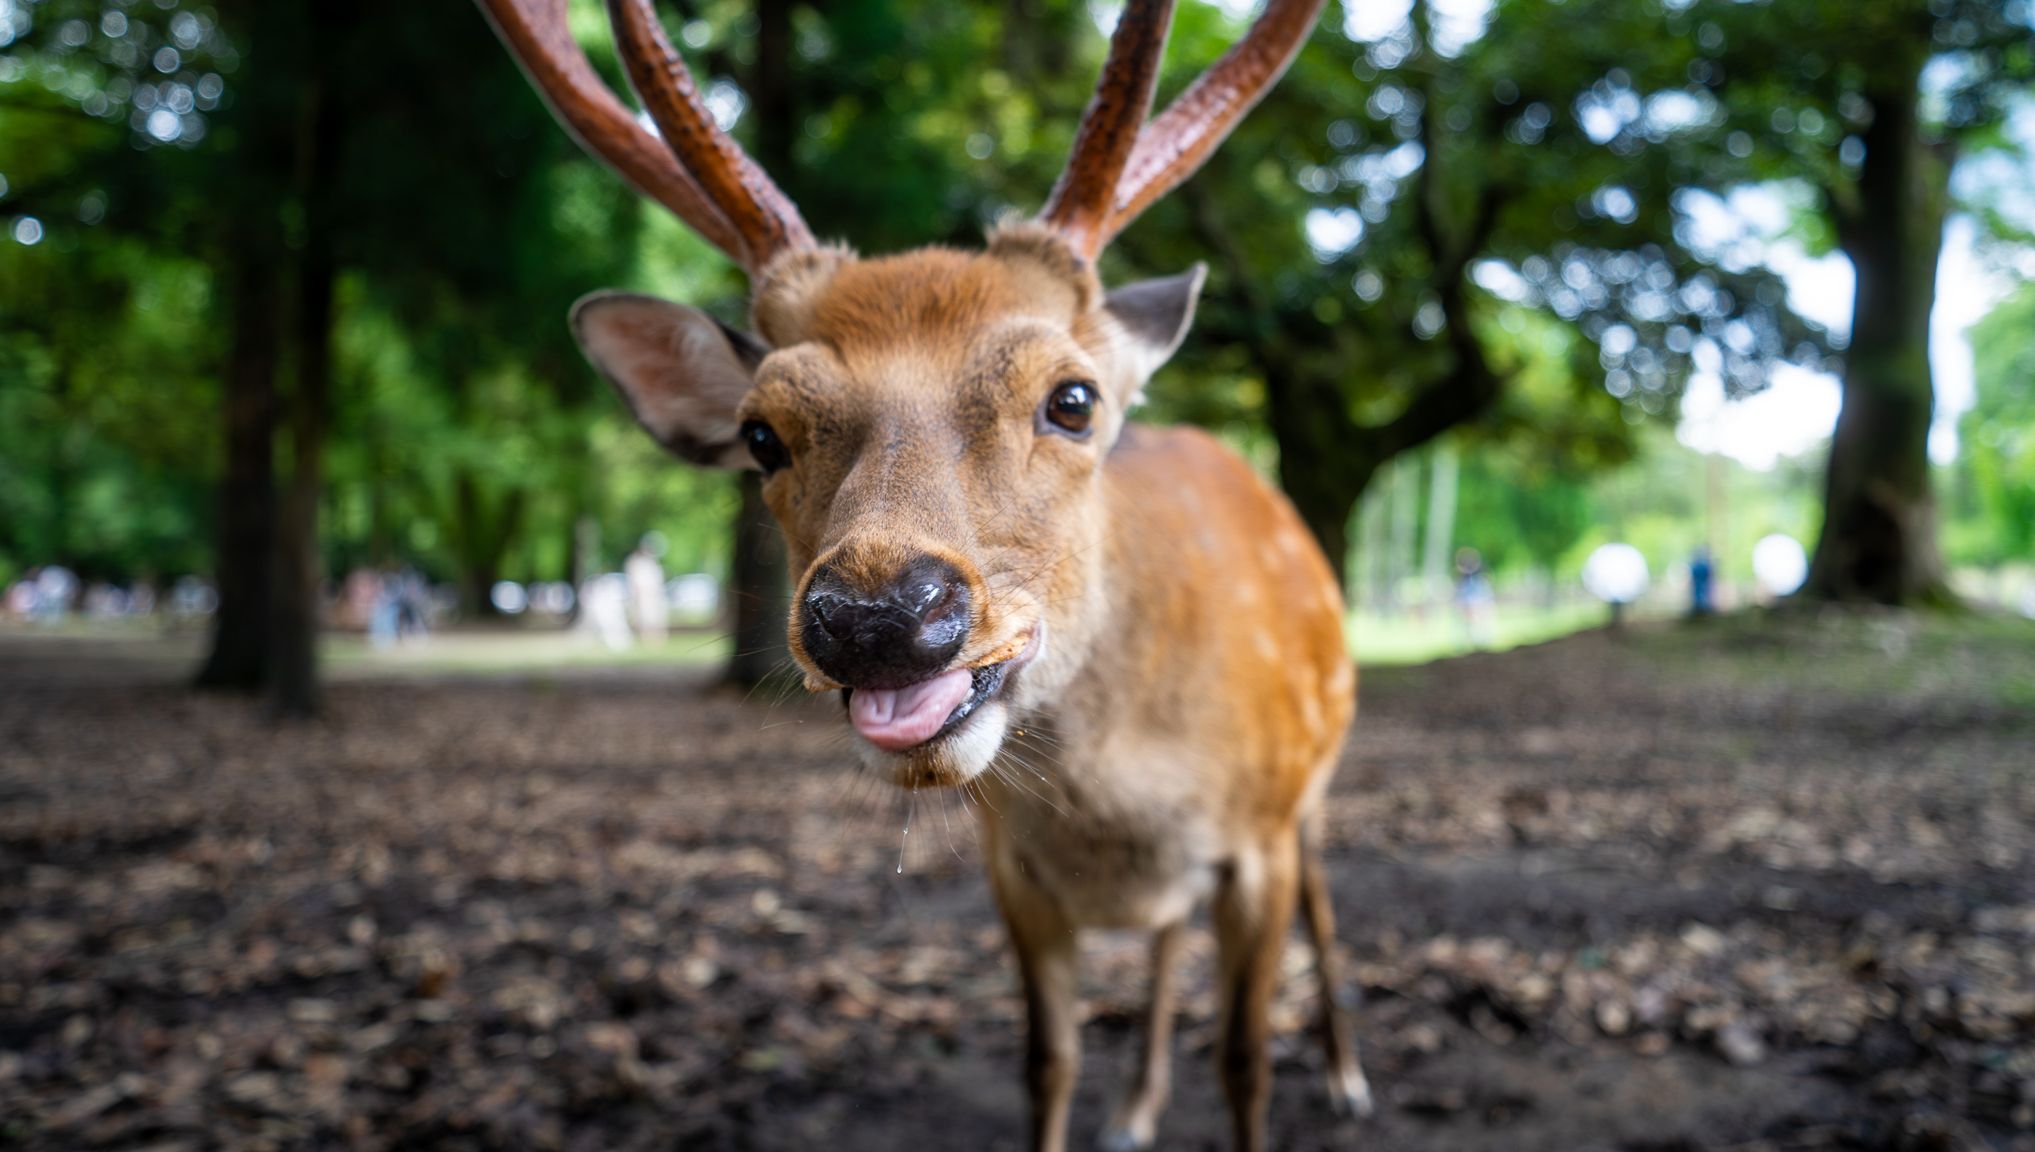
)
(298, 179)
(307, 63)
(104, 110)
(1369, 221)
(1530, 462)
(757, 571)
(1869, 106)
(107, 434)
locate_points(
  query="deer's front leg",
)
(1137, 1121)
(1046, 952)
(1253, 908)
(1348, 1091)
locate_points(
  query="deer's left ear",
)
(1155, 316)
(682, 372)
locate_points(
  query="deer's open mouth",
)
(900, 719)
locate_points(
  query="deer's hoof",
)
(1123, 1138)
(1349, 1094)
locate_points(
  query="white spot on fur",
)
(1341, 678)
(1310, 706)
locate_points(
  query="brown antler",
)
(1180, 140)
(764, 216)
(1169, 149)
(1082, 201)
(697, 172)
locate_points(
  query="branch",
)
(1456, 397)
(1471, 386)
(1449, 256)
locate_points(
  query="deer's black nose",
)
(902, 633)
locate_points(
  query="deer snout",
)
(895, 636)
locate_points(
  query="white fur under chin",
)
(948, 762)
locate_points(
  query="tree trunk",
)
(1878, 543)
(758, 583)
(480, 540)
(1327, 516)
(1322, 476)
(263, 122)
(759, 588)
(300, 574)
(239, 657)
(300, 569)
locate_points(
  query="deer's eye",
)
(768, 451)
(1070, 410)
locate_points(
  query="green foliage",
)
(1548, 164)
(1528, 466)
(107, 438)
(467, 431)
(1992, 504)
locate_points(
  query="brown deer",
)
(985, 550)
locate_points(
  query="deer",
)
(987, 555)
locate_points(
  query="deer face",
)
(931, 428)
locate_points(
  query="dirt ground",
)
(1767, 884)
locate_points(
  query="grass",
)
(504, 651)
(1416, 638)
(515, 651)
(1983, 657)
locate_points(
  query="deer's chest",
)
(1108, 859)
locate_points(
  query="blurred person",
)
(604, 610)
(20, 601)
(105, 601)
(384, 617)
(694, 597)
(1476, 603)
(647, 603)
(357, 599)
(413, 604)
(401, 608)
(192, 597)
(1702, 578)
(54, 589)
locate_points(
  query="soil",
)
(1767, 884)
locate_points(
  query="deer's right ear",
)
(1155, 316)
(682, 372)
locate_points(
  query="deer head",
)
(932, 425)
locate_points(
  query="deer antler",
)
(766, 218)
(1082, 200)
(1089, 209)
(696, 170)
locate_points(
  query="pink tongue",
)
(895, 719)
